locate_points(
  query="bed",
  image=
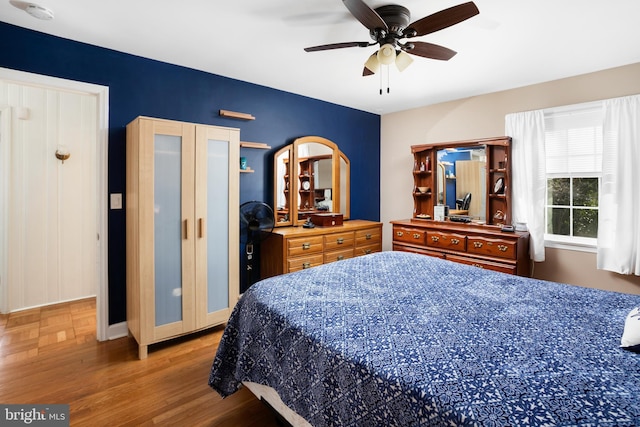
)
(399, 339)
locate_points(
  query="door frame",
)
(102, 160)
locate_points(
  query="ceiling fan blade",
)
(367, 72)
(443, 19)
(367, 16)
(432, 51)
(336, 46)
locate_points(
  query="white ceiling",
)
(512, 43)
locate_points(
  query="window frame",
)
(587, 244)
(575, 243)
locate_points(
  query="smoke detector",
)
(39, 12)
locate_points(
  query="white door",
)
(51, 210)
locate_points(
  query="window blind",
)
(573, 142)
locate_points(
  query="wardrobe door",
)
(171, 211)
(217, 211)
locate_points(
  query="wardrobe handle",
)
(186, 229)
(201, 227)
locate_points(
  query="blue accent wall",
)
(144, 87)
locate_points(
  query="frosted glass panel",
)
(218, 229)
(167, 229)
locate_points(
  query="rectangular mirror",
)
(282, 182)
(462, 180)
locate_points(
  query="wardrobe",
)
(182, 197)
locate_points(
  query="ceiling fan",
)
(389, 25)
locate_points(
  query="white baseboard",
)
(117, 330)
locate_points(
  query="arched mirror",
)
(311, 176)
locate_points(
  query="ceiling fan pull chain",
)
(388, 80)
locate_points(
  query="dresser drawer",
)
(503, 268)
(368, 249)
(366, 237)
(303, 262)
(409, 235)
(492, 247)
(446, 240)
(338, 240)
(304, 245)
(413, 250)
(338, 255)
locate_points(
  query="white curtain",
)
(528, 175)
(618, 226)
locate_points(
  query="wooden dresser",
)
(479, 245)
(289, 249)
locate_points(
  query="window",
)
(573, 146)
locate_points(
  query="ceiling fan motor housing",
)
(397, 18)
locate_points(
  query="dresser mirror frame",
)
(297, 163)
(495, 205)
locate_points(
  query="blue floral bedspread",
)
(398, 339)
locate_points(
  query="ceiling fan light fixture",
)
(403, 60)
(386, 54)
(372, 63)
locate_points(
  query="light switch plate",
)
(116, 200)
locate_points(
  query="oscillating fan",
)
(256, 223)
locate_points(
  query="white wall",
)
(483, 116)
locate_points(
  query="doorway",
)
(54, 213)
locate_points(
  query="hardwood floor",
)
(50, 355)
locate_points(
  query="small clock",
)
(306, 185)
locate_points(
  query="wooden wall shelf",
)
(261, 145)
(236, 115)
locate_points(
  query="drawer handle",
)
(306, 245)
(368, 236)
(455, 241)
(367, 251)
(478, 265)
(306, 265)
(435, 238)
(340, 240)
(503, 248)
(399, 233)
(477, 244)
(340, 257)
(416, 235)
